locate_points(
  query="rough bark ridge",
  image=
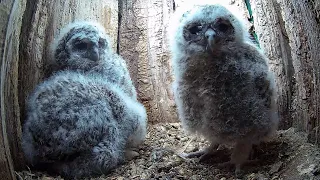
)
(142, 43)
(294, 57)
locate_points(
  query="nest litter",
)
(287, 156)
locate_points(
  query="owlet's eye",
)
(223, 27)
(81, 46)
(195, 29)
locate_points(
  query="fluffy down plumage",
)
(223, 87)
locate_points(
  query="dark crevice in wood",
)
(120, 12)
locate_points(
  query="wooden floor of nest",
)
(288, 156)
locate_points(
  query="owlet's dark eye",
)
(81, 46)
(223, 27)
(195, 29)
(102, 43)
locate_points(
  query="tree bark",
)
(289, 32)
(143, 44)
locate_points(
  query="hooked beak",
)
(94, 54)
(210, 35)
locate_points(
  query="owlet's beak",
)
(94, 54)
(210, 35)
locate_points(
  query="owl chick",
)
(223, 88)
(81, 125)
(85, 46)
(84, 120)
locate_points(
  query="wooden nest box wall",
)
(287, 30)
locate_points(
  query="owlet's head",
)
(206, 27)
(80, 46)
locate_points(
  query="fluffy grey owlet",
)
(223, 88)
(84, 120)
